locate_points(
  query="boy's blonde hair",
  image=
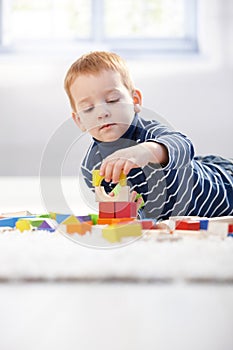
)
(94, 63)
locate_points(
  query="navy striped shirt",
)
(187, 185)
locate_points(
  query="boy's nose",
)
(103, 111)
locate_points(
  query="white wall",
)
(194, 93)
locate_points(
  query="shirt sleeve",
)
(180, 148)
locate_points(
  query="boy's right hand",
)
(124, 160)
(132, 157)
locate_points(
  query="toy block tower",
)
(116, 211)
(115, 208)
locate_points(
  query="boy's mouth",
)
(106, 126)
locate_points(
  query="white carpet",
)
(44, 256)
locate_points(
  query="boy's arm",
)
(133, 157)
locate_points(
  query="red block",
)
(147, 224)
(125, 209)
(230, 228)
(188, 225)
(106, 210)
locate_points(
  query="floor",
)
(161, 314)
(116, 316)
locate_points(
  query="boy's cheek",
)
(80, 123)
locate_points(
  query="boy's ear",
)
(78, 121)
(137, 100)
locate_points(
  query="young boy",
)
(159, 162)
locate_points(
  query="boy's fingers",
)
(108, 172)
(127, 167)
(133, 196)
(117, 169)
(102, 169)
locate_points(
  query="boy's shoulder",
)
(91, 156)
(141, 121)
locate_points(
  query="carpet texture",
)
(44, 256)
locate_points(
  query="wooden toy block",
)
(230, 230)
(204, 223)
(189, 225)
(46, 226)
(84, 218)
(106, 210)
(227, 219)
(97, 179)
(36, 222)
(218, 228)
(53, 215)
(94, 218)
(111, 221)
(11, 221)
(121, 196)
(111, 234)
(123, 179)
(70, 220)
(8, 222)
(59, 217)
(80, 228)
(46, 216)
(125, 209)
(148, 224)
(114, 233)
(17, 214)
(23, 225)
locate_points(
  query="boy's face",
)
(104, 105)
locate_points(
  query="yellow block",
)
(23, 225)
(114, 233)
(97, 179)
(70, 220)
(52, 215)
(123, 179)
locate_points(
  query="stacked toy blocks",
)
(117, 206)
(116, 210)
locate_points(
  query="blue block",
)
(83, 218)
(10, 222)
(204, 224)
(61, 217)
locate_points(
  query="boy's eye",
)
(88, 109)
(113, 100)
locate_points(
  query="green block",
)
(94, 218)
(46, 216)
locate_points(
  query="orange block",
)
(111, 221)
(81, 228)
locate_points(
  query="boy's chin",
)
(110, 132)
(109, 138)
